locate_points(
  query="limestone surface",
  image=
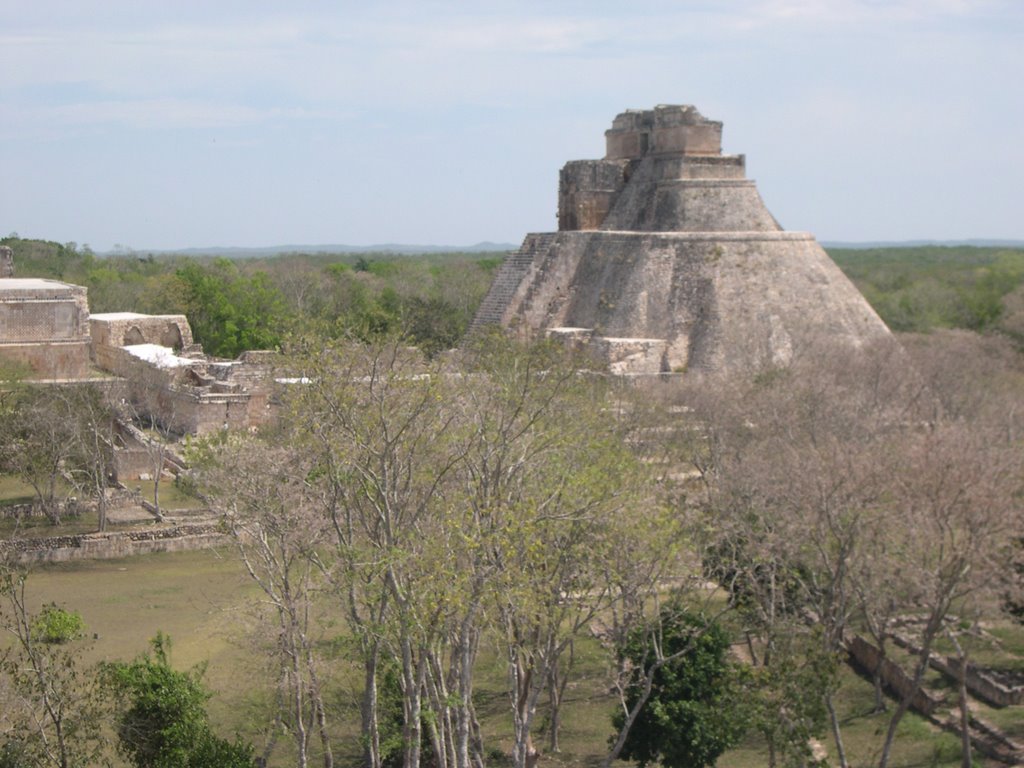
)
(44, 326)
(667, 260)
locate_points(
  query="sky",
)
(161, 125)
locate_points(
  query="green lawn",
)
(172, 498)
(14, 491)
(205, 602)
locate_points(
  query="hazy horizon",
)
(251, 124)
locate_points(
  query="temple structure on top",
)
(667, 260)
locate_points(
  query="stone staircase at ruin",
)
(510, 276)
(937, 699)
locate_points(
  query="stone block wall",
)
(978, 682)
(44, 325)
(101, 546)
(69, 360)
(202, 413)
(985, 688)
(624, 356)
(870, 659)
(629, 136)
(34, 310)
(701, 139)
(131, 463)
(119, 329)
(703, 167)
(587, 190)
(664, 129)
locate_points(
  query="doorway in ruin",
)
(134, 336)
(171, 337)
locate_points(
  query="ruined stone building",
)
(667, 260)
(169, 378)
(46, 330)
(44, 324)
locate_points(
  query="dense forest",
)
(235, 305)
(239, 304)
(923, 288)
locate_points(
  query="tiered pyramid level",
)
(666, 259)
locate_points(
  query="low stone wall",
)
(60, 360)
(103, 546)
(117, 498)
(70, 508)
(868, 657)
(978, 683)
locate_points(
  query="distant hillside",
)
(241, 252)
(976, 243)
(276, 250)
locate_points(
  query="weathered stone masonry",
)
(666, 259)
(44, 325)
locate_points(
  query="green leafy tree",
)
(162, 722)
(790, 708)
(55, 625)
(43, 258)
(696, 707)
(433, 324)
(52, 711)
(230, 312)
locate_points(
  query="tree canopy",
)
(697, 707)
(162, 720)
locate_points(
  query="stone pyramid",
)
(667, 260)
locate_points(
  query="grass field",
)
(205, 602)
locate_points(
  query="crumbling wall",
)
(102, 546)
(189, 393)
(870, 659)
(668, 128)
(6, 261)
(587, 191)
(200, 413)
(119, 329)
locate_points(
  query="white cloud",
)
(842, 12)
(487, 97)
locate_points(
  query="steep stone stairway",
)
(510, 275)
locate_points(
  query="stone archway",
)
(171, 337)
(133, 336)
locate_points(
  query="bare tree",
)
(55, 437)
(37, 441)
(52, 713)
(151, 404)
(90, 466)
(957, 491)
(859, 490)
(797, 493)
(381, 427)
(276, 518)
